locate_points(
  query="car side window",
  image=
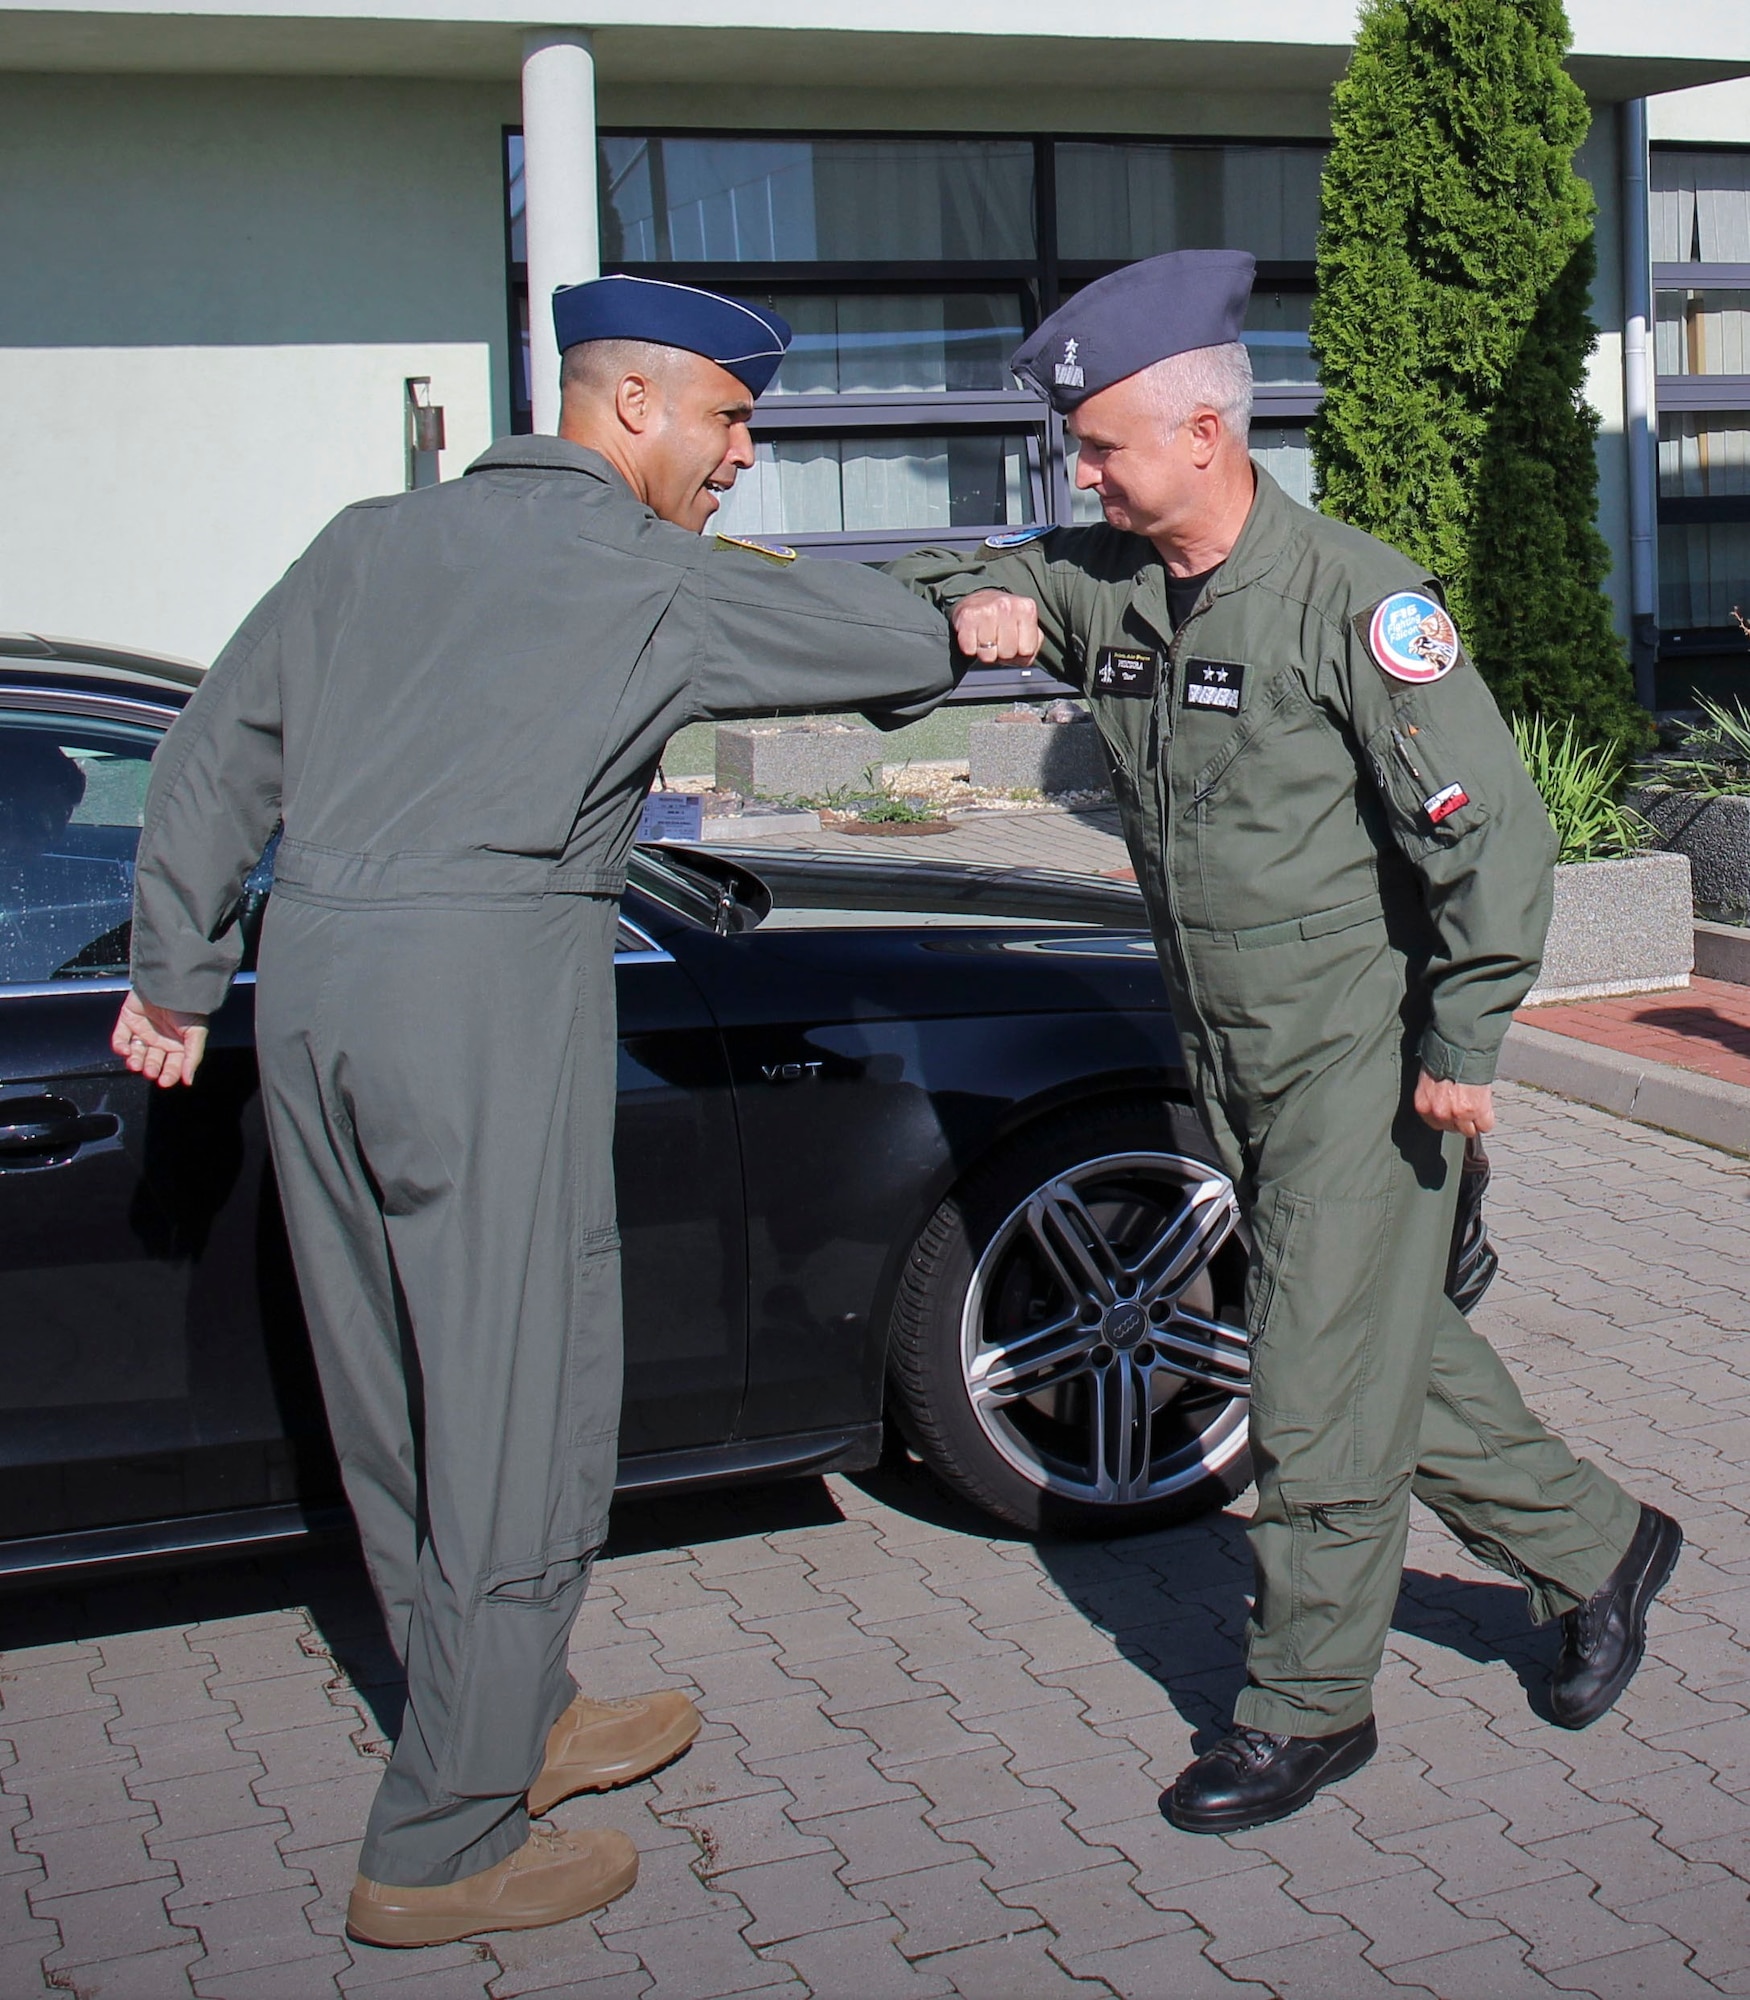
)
(72, 796)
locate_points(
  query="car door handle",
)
(30, 1125)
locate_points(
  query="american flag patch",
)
(1445, 803)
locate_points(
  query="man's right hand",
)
(996, 628)
(162, 1044)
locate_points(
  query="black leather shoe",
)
(1251, 1778)
(1603, 1640)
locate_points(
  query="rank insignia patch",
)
(774, 552)
(1214, 684)
(1016, 538)
(1126, 670)
(1445, 803)
(1411, 637)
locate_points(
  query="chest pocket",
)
(1428, 796)
(1283, 709)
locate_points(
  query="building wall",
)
(215, 289)
(1718, 114)
(217, 285)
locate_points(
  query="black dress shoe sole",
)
(1235, 1819)
(1651, 1581)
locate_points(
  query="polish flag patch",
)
(1445, 803)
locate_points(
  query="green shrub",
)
(1579, 782)
(1452, 330)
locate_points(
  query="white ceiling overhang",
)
(983, 47)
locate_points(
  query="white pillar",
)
(559, 193)
(1640, 416)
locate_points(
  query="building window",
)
(1700, 229)
(722, 200)
(910, 269)
(1118, 202)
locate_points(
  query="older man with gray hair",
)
(1348, 875)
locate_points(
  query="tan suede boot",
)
(551, 1878)
(596, 1745)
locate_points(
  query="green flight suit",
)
(454, 702)
(1329, 921)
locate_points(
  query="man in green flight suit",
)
(1348, 874)
(454, 703)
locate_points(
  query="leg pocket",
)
(514, 1681)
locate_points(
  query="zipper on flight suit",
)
(1162, 744)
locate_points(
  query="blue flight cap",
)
(747, 340)
(1132, 318)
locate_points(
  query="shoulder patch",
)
(774, 552)
(1412, 637)
(1017, 538)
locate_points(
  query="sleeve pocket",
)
(1428, 795)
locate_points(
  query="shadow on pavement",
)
(694, 1520)
(326, 1579)
(1175, 1603)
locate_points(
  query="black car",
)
(896, 1140)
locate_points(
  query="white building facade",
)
(246, 249)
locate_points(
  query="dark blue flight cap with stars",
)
(747, 340)
(1135, 317)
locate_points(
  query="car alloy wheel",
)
(1068, 1343)
(1089, 1316)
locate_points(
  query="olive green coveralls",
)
(1323, 938)
(454, 702)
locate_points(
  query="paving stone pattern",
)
(932, 1752)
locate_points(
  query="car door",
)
(683, 1231)
(152, 1360)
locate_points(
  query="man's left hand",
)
(1456, 1107)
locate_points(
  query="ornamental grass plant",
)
(1713, 759)
(1579, 782)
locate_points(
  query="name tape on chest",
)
(1126, 670)
(773, 552)
(1217, 684)
(1411, 637)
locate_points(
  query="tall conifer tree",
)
(1452, 331)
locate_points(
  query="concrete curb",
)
(1722, 951)
(1703, 1108)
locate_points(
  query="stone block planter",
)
(1715, 834)
(1619, 927)
(1025, 752)
(796, 760)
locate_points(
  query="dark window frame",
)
(1699, 394)
(1040, 283)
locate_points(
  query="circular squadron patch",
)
(1413, 638)
(1016, 538)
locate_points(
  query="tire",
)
(1041, 1314)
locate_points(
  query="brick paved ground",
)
(932, 1752)
(1705, 1028)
